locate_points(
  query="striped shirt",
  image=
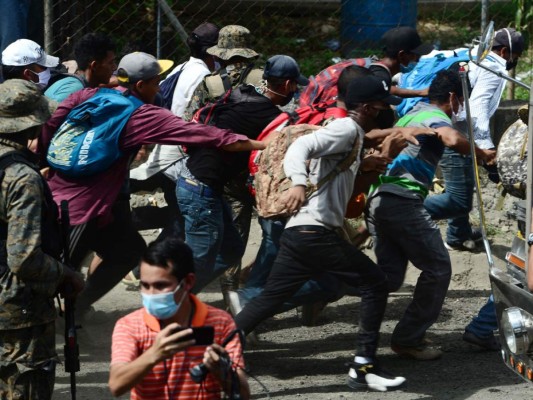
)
(135, 333)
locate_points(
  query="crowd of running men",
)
(199, 132)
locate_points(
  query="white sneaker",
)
(371, 376)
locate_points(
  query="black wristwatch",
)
(530, 240)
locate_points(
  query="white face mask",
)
(460, 115)
(44, 78)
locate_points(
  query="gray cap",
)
(281, 66)
(22, 106)
(233, 41)
(141, 66)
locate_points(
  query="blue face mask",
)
(162, 305)
(409, 67)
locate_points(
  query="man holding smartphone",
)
(154, 348)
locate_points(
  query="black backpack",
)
(208, 114)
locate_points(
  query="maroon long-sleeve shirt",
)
(93, 197)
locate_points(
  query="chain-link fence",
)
(312, 31)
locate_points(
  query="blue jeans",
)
(209, 231)
(403, 231)
(456, 202)
(485, 323)
(325, 289)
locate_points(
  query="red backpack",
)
(323, 87)
(310, 115)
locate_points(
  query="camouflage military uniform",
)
(202, 96)
(232, 42)
(29, 278)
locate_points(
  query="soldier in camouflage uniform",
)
(237, 60)
(30, 274)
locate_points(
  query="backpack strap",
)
(218, 84)
(341, 166)
(378, 64)
(136, 101)
(61, 75)
(245, 73)
(254, 77)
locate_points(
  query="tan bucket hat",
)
(232, 41)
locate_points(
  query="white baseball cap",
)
(24, 52)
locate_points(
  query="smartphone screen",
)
(203, 335)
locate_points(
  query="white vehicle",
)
(512, 288)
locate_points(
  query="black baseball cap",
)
(404, 38)
(281, 66)
(510, 38)
(370, 88)
(206, 33)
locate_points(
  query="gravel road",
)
(296, 362)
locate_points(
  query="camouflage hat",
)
(22, 106)
(232, 41)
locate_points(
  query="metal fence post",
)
(48, 29)
(484, 14)
(173, 20)
(158, 31)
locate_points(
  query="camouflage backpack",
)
(512, 157)
(271, 183)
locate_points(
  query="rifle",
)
(71, 349)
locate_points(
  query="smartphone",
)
(203, 335)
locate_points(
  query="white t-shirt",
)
(164, 157)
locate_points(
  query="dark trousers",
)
(403, 231)
(307, 252)
(242, 204)
(118, 244)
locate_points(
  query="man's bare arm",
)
(453, 139)
(123, 377)
(375, 137)
(245, 145)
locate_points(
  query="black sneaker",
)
(477, 235)
(371, 376)
(488, 343)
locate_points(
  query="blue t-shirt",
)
(63, 88)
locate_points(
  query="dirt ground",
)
(296, 362)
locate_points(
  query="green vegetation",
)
(277, 28)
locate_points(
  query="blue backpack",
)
(167, 87)
(87, 141)
(424, 73)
